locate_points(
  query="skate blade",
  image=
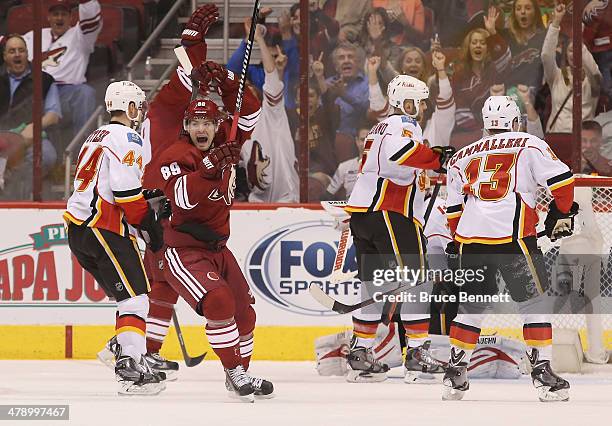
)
(130, 389)
(268, 396)
(356, 376)
(419, 378)
(246, 398)
(450, 394)
(545, 395)
(107, 358)
(171, 375)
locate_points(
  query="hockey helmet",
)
(404, 87)
(120, 94)
(499, 112)
(202, 108)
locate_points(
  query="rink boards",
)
(51, 309)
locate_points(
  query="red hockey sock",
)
(224, 340)
(162, 299)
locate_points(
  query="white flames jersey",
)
(492, 187)
(109, 172)
(386, 182)
(66, 58)
(436, 229)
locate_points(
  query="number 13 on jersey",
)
(496, 188)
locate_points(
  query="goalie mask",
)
(121, 94)
(499, 113)
(404, 87)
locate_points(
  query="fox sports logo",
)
(283, 264)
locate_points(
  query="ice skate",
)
(239, 384)
(161, 365)
(421, 367)
(455, 382)
(549, 385)
(136, 378)
(107, 354)
(264, 389)
(363, 367)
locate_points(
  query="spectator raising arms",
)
(525, 37)
(66, 53)
(323, 122)
(16, 92)
(348, 89)
(559, 79)
(269, 154)
(483, 58)
(406, 20)
(376, 42)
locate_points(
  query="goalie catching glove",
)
(558, 224)
(445, 153)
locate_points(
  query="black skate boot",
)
(549, 385)
(264, 389)
(161, 365)
(107, 354)
(238, 383)
(363, 367)
(136, 378)
(455, 378)
(421, 367)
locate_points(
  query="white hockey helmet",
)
(120, 94)
(404, 87)
(499, 112)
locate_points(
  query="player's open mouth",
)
(202, 140)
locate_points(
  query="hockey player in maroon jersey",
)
(161, 128)
(199, 179)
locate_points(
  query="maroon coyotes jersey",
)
(196, 199)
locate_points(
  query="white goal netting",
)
(580, 269)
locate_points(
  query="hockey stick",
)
(337, 276)
(332, 304)
(189, 361)
(245, 65)
(432, 200)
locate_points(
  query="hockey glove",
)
(215, 76)
(557, 224)
(452, 256)
(151, 231)
(445, 153)
(219, 157)
(198, 24)
(158, 202)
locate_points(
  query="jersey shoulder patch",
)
(134, 138)
(408, 120)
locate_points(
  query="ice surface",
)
(303, 398)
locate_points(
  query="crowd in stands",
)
(465, 50)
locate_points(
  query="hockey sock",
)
(224, 340)
(417, 331)
(131, 327)
(539, 336)
(245, 319)
(162, 299)
(463, 339)
(364, 332)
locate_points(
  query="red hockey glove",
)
(198, 24)
(212, 74)
(219, 157)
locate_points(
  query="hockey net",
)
(592, 236)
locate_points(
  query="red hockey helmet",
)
(202, 108)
